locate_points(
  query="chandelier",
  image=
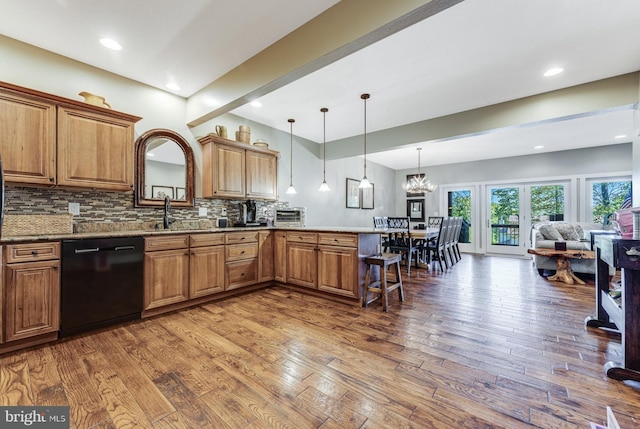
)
(419, 183)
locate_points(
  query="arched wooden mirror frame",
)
(141, 152)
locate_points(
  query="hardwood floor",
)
(487, 343)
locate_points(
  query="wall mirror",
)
(164, 167)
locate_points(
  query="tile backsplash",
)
(102, 206)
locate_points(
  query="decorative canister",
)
(244, 134)
(221, 131)
(95, 100)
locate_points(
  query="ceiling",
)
(473, 54)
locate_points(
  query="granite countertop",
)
(113, 230)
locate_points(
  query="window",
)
(547, 203)
(607, 196)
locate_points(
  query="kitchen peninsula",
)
(185, 266)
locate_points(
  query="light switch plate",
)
(223, 212)
(202, 211)
(74, 208)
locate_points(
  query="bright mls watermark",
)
(34, 417)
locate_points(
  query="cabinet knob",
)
(34, 252)
(51, 179)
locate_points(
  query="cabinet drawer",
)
(348, 240)
(166, 242)
(241, 251)
(201, 240)
(32, 252)
(241, 273)
(302, 237)
(241, 237)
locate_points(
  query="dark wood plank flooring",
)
(487, 343)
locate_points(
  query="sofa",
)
(576, 235)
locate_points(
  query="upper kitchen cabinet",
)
(50, 140)
(238, 170)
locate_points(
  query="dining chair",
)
(400, 240)
(437, 248)
(456, 239)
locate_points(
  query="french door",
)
(505, 220)
(512, 209)
(461, 202)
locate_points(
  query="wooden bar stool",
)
(381, 287)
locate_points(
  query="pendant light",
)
(419, 184)
(324, 187)
(291, 189)
(364, 183)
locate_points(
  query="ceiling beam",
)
(341, 30)
(579, 100)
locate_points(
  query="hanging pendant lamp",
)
(291, 189)
(324, 187)
(364, 183)
(419, 184)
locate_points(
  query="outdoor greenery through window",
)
(547, 203)
(607, 197)
(460, 206)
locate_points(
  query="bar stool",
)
(381, 287)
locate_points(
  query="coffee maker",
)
(248, 213)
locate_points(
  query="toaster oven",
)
(291, 217)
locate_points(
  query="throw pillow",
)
(567, 231)
(549, 232)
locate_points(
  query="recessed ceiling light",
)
(553, 71)
(111, 44)
(173, 87)
(256, 104)
(150, 155)
(539, 147)
(621, 136)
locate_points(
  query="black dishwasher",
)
(102, 283)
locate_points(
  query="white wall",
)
(38, 69)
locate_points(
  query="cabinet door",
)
(27, 139)
(280, 256)
(241, 273)
(302, 265)
(166, 277)
(338, 270)
(228, 171)
(265, 256)
(32, 293)
(262, 175)
(94, 151)
(206, 271)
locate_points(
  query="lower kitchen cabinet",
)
(166, 270)
(265, 257)
(280, 256)
(302, 258)
(206, 264)
(338, 270)
(31, 290)
(241, 258)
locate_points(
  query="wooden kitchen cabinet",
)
(95, 150)
(265, 256)
(206, 264)
(280, 256)
(302, 259)
(338, 265)
(261, 175)
(238, 170)
(241, 259)
(166, 270)
(27, 138)
(31, 290)
(50, 140)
